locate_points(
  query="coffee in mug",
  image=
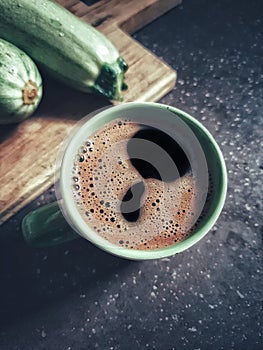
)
(141, 183)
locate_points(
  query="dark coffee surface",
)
(134, 185)
(77, 297)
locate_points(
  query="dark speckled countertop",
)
(76, 297)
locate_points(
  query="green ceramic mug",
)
(61, 221)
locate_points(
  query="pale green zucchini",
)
(64, 45)
(20, 84)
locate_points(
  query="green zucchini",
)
(20, 84)
(64, 45)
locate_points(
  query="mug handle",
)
(47, 226)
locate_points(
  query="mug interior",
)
(214, 161)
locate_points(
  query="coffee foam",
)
(102, 175)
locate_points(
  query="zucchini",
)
(67, 47)
(20, 84)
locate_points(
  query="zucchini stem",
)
(110, 82)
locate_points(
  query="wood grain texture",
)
(28, 150)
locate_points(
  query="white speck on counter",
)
(153, 295)
(43, 334)
(93, 330)
(174, 274)
(165, 259)
(240, 294)
(248, 207)
(192, 329)
(181, 82)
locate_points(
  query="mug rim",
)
(70, 211)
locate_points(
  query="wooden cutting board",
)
(28, 151)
